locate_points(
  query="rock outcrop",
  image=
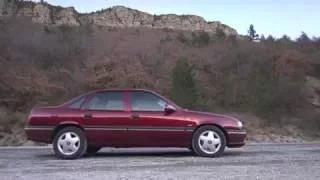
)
(41, 14)
(118, 16)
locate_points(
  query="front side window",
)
(109, 101)
(145, 101)
(77, 104)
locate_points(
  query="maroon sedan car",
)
(130, 118)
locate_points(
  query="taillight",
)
(29, 118)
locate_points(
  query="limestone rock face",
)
(67, 16)
(118, 16)
(41, 14)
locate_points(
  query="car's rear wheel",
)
(92, 150)
(70, 143)
(208, 141)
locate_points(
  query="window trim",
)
(86, 105)
(82, 98)
(71, 101)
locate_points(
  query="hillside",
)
(273, 86)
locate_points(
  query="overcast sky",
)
(275, 17)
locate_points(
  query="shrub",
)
(183, 86)
(201, 39)
(182, 38)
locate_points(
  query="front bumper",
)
(236, 138)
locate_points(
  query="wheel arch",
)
(216, 125)
(63, 125)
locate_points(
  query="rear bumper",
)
(236, 138)
(39, 134)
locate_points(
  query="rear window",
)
(109, 101)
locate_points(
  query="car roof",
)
(121, 90)
(105, 90)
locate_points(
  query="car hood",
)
(206, 117)
(209, 115)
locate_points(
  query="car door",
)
(151, 126)
(105, 118)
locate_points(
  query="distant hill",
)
(117, 16)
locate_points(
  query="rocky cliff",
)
(117, 16)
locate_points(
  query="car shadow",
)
(140, 154)
(161, 153)
(151, 154)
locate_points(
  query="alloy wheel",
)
(209, 142)
(68, 143)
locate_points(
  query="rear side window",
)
(77, 104)
(109, 101)
(145, 101)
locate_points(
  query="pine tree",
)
(252, 33)
(303, 37)
(183, 85)
(270, 38)
(285, 38)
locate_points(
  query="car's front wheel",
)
(70, 143)
(208, 141)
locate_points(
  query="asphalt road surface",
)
(255, 161)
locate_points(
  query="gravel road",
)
(255, 161)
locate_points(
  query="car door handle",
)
(87, 116)
(134, 116)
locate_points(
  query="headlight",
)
(239, 124)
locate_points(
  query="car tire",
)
(92, 150)
(70, 143)
(208, 141)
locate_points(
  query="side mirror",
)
(169, 109)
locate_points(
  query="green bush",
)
(183, 90)
(182, 38)
(201, 39)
